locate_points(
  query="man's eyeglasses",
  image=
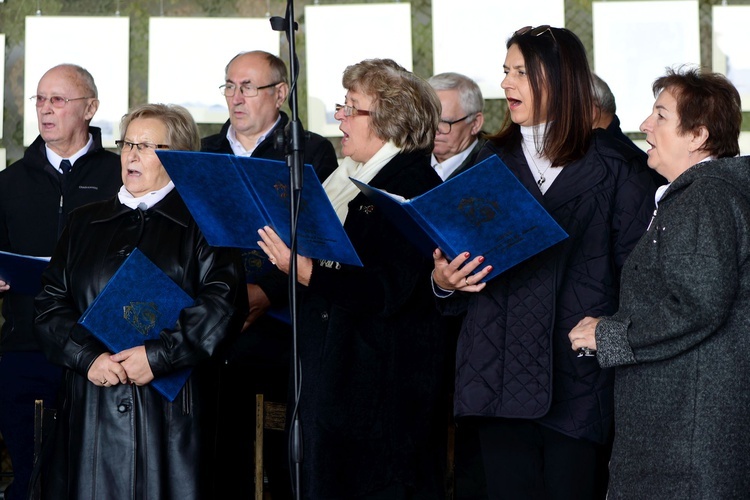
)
(444, 126)
(57, 101)
(140, 146)
(246, 89)
(351, 110)
(538, 31)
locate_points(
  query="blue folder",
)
(231, 197)
(137, 303)
(22, 272)
(484, 210)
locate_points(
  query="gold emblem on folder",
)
(143, 316)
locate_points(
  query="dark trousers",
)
(24, 378)
(527, 461)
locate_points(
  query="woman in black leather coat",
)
(117, 437)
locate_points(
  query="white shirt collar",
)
(54, 159)
(446, 168)
(238, 149)
(146, 201)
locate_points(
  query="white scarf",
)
(341, 190)
(146, 201)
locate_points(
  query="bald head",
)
(65, 127)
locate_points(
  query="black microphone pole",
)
(295, 149)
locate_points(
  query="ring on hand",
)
(273, 261)
(104, 382)
(466, 280)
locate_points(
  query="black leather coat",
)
(126, 441)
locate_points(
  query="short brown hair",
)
(182, 131)
(405, 108)
(705, 99)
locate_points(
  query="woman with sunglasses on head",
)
(116, 436)
(544, 414)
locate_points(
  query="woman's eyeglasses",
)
(351, 110)
(140, 146)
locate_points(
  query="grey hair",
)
(469, 93)
(603, 96)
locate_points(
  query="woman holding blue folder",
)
(117, 437)
(545, 415)
(370, 342)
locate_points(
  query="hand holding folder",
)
(138, 302)
(484, 210)
(231, 197)
(22, 272)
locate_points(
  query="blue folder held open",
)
(231, 197)
(138, 302)
(484, 210)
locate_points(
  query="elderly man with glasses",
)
(460, 135)
(255, 87)
(64, 168)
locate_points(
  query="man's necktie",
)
(65, 166)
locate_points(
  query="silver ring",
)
(104, 382)
(273, 261)
(466, 280)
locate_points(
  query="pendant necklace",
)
(542, 179)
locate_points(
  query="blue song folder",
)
(22, 272)
(231, 197)
(484, 210)
(137, 303)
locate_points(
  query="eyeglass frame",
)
(39, 100)
(140, 146)
(350, 111)
(451, 123)
(245, 86)
(538, 31)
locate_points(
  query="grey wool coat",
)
(681, 344)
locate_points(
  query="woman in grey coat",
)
(681, 338)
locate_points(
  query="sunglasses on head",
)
(538, 31)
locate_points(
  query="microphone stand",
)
(295, 148)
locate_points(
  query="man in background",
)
(605, 117)
(459, 137)
(64, 168)
(258, 361)
(457, 144)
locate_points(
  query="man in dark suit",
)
(457, 145)
(258, 361)
(459, 136)
(65, 167)
(605, 117)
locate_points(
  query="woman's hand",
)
(583, 335)
(451, 276)
(4, 287)
(105, 373)
(278, 253)
(135, 364)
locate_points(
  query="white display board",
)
(3, 158)
(634, 43)
(730, 47)
(469, 36)
(188, 56)
(744, 143)
(99, 44)
(2, 86)
(340, 35)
